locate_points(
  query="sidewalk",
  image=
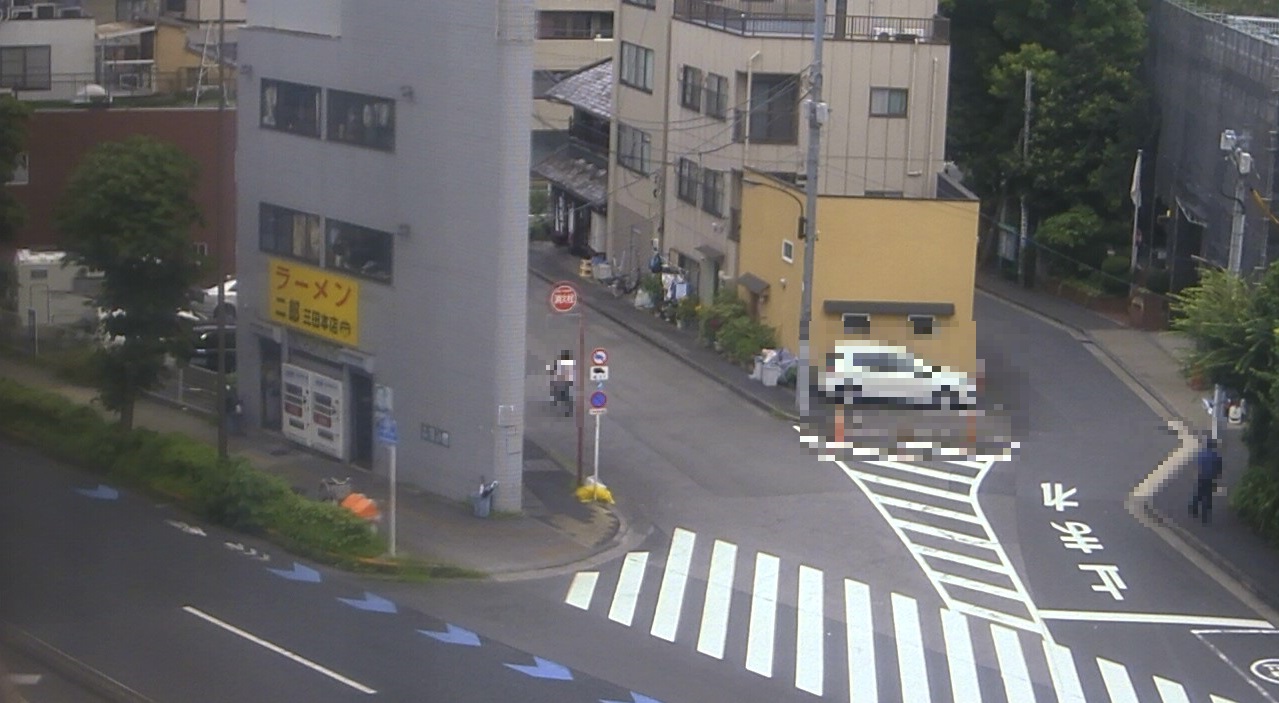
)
(555, 529)
(1151, 359)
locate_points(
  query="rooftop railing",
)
(795, 19)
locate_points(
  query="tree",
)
(128, 211)
(14, 115)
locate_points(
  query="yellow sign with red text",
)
(314, 300)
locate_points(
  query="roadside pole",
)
(595, 476)
(563, 301)
(1233, 145)
(387, 434)
(391, 521)
(597, 373)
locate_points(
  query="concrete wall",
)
(447, 334)
(72, 57)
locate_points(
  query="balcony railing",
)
(796, 20)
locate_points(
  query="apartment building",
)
(571, 34)
(382, 165)
(706, 89)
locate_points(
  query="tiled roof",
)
(590, 89)
(577, 171)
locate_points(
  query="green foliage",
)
(14, 119)
(742, 338)
(651, 284)
(127, 211)
(539, 199)
(725, 308)
(1115, 274)
(687, 309)
(1256, 500)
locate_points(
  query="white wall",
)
(72, 55)
(322, 17)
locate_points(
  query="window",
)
(21, 170)
(634, 148)
(855, 323)
(291, 107)
(359, 250)
(885, 194)
(788, 251)
(568, 24)
(774, 109)
(39, 274)
(650, 4)
(713, 192)
(687, 181)
(716, 96)
(290, 233)
(26, 67)
(364, 120)
(922, 324)
(690, 84)
(637, 67)
(888, 102)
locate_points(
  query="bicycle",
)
(335, 490)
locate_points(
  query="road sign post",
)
(388, 434)
(599, 406)
(564, 300)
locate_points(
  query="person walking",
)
(1209, 466)
(562, 381)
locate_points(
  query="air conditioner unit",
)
(45, 10)
(70, 13)
(22, 13)
(129, 81)
(883, 32)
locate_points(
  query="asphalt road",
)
(163, 605)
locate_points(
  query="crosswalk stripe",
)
(914, 487)
(959, 653)
(719, 596)
(999, 617)
(810, 664)
(992, 566)
(1219, 699)
(1118, 685)
(860, 643)
(759, 641)
(1062, 668)
(626, 593)
(1170, 692)
(1012, 664)
(922, 471)
(982, 586)
(674, 579)
(582, 589)
(911, 667)
(930, 509)
(947, 534)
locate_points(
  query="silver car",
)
(857, 374)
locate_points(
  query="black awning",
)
(753, 283)
(710, 253)
(887, 307)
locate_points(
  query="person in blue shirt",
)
(1208, 463)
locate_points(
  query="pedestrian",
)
(562, 382)
(1208, 462)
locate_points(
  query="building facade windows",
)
(856, 323)
(363, 120)
(773, 117)
(921, 324)
(690, 93)
(649, 4)
(637, 67)
(571, 24)
(888, 102)
(716, 96)
(325, 242)
(26, 67)
(291, 107)
(291, 233)
(788, 251)
(634, 149)
(687, 182)
(359, 250)
(713, 192)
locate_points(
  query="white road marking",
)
(914, 487)
(911, 666)
(279, 650)
(946, 534)
(582, 589)
(1062, 668)
(628, 587)
(1154, 618)
(959, 655)
(1170, 692)
(1012, 664)
(759, 642)
(922, 471)
(964, 559)
(1219, 699)
(25, 679)
(810, 665)
(860, 643)
(980, 586)
(1118, 685)
(929, 509)
(670, 599)
(719, 596)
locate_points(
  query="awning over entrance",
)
(1192, 211)
(577, 172)
(887, 307)
(753, 283)
(710, 253)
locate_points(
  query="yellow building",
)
(898, 271)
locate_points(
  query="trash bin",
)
(769, 373)
(482, 500)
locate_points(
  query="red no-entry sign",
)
(563, 297)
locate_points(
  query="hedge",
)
(227, 492)
(1256, 500)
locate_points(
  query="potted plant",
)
(687, 311)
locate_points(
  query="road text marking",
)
(279, 650)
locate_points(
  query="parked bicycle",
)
(335, 490)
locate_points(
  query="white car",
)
(858, 374)
(209, 302)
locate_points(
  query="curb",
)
(643, 334)
(77, 671)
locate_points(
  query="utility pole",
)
(1233, 145)
(1024, 238)
(220, 219)
(817, 113)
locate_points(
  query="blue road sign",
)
(598, 399)
(386, 431)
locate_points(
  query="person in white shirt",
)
(564, 373)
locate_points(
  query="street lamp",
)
(1232, 144)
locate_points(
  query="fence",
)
(790, 18)
(135, 82)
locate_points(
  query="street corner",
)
(1252, 653)
(598, 530)
(893, 434)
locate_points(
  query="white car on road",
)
(208, 304)
(857, 374)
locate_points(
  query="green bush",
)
(742, 338)
(1115, 274)
(724, 309)
(1256, 500)
(1158, 280)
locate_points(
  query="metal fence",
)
(792, 18)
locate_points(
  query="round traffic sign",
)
(599, 356)
(598, 399)
(563, 297)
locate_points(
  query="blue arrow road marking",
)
(299, 573)
(102, 492)
(372, 603)
(454, 635)
(635, 698)
(543, 669)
